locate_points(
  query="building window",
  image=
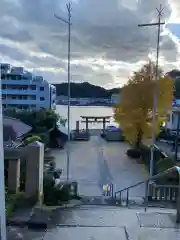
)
(41, 98)
(33, 97)
(41, 88)
(33, 87)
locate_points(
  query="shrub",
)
(13, 201)
(133, 153)
(54, 195)
(32, 139)
(164, 164)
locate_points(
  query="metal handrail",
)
(155, 177)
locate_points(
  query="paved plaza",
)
(93, 164)
(97, 162)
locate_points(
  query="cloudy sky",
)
(106, 43)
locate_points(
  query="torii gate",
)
(95, 119)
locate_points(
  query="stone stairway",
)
(101, 218)
(91, 222)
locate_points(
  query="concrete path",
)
(90, 223)
(98, 162)
(104, 222)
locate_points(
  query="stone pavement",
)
(98, 162)
(92, 222)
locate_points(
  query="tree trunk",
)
(139, 138)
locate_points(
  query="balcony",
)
(19, 101)
(19, 92)
(16, 82)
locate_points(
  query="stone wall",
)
(34, 157)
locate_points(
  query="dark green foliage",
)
(13, 201)
(40, 121)
(54, 195)
(166, 135)
(133, 153)
(43, 122)
(175, 74)
(84, 90)
(161, 162)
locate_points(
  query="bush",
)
(54, 195)
(133, 153)
(146, 156)
(13, 201)
(161, 163)
(32, 139)
(164, 164)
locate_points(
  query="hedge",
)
(161, 163)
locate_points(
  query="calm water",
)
(77, 111)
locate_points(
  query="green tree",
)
(40, 121)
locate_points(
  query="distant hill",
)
(84, 90)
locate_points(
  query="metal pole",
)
(69, 84)
(155, 100)
(159, 23)
(2, 185)
(177, 138)
(69, 8)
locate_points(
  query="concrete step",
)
(133, 202)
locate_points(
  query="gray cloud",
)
(106, 44)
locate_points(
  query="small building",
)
(172, 121)
(22, 90)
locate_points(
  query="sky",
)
(106, 43)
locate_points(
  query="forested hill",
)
(84, 90)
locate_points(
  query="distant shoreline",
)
(86, 105)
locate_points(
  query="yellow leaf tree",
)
(135, 111)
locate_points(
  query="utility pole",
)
(159, 23)
(2, 184)
(69, 9)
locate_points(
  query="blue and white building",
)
(22, 90)
(172, 117)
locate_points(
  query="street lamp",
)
(69, 8)
(159, 23)
(2, 185)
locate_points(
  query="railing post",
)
(146, 194)
(127, 198)
(112, 190)
(178, 206)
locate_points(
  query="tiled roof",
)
(14, 128)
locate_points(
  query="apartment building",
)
(22, 90)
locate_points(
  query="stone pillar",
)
(87, 121)
(77, 126)
(14, 175)
(104, 124)
(34, 171)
